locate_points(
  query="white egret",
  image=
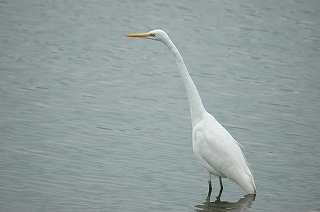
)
(216, 150)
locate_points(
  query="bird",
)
(215, 149)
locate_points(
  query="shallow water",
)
(91, 120)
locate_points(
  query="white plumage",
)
(215, 149)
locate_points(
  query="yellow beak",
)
(138, 35)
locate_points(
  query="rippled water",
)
(93, 121)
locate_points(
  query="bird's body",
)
(215, 149)
(219, 153)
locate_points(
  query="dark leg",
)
(221, 189)
(221, 186)
(209, 192)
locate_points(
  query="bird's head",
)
(157, 34)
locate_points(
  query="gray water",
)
(93, 121)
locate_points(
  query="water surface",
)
(92, 121)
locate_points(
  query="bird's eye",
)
(152, 34)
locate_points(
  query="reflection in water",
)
(242, 205)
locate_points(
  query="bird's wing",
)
(220, 153)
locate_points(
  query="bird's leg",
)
(221, 186)
(221, 189)
(209, 192)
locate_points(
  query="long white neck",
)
(196, 107)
